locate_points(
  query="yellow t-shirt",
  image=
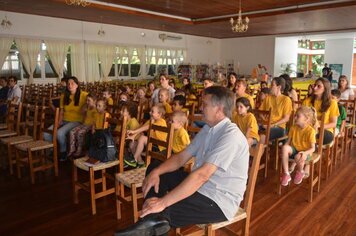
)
(333, 110)
(250, 98)
(302, 138)
(71, 112)
(90, 116)
(280, 106)
(110, 101)
(131, 124)
(167, 107)
(245, 122)
(180, 140)
(99, 120)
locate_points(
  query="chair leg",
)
(55, 161)
(279, 186)
(311, 181)
(75, 187)
(10, 157)
(319, 173)
(134, 202)
(118, 202)
(210, 231)
(103, 179)
(277, 156)
(30, 163)
(246, 226)
(92, 190)
(18, 163)
(266, 161)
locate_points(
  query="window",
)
(311, 57)
(135, 64)
(317, 45)
(13, 65)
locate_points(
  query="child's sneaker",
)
(140, 164)
(285, 179)
(130, 161)
(298, 178)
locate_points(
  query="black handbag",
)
(102, 146)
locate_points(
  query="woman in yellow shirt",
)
(281, 108)
(77, 134)
(70, 115)
(323, 103)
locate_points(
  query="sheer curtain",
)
(57, 51)
(77, 62)
(5, 45)
(149, 56)
(92, 62)
(29, 50)
(141, 55)
(106, 54)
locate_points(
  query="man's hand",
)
(152, 205)
(152, 180)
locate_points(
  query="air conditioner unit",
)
(169, 37)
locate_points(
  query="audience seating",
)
(264, 118)
(133, 179)
(36, 154)
(243, 214)
(31, 124)
(13, 121)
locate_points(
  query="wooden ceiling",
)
(203, 17)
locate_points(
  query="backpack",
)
(102, 146)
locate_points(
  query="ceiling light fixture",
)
(304, 40)
(82, 3)
(6, 23)
(101, 31)
(241, 25)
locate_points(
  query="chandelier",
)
(304, 41)
(5, 23)
(82, 3)
(241, 25)
(101, 31)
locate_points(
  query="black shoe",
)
(62, 156)
(130, 160)
(154, 224)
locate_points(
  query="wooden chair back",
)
(192, 129)
(153, 142)
(143, 108)
(49, 123)
(264, 118)
(31, 120)
(321, 131)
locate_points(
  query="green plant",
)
(288, 68)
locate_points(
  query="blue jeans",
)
(61, 134)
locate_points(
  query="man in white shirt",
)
(212, 192)
(14, 94)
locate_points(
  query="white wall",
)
(286, 51)
(248, 52)
(340, 51)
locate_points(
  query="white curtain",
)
(57, 51)
(92, 62)
(129, 55)
(29, 50)
(77, 61)
(141, 55)
(106, 54)
(149, 56)
(5, 45)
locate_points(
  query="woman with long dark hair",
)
(231, 81)
(323, 103)
(71, 115)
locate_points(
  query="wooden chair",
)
(350, 106)
(35, 153)
(31, 124)
(89, 186)
(133, 179)
(338, 150)
(314, 163)
(243, 214)
(13, 121)
(264, 118)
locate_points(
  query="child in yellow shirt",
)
(179, 102)
(180, 137)
(100, 116)
(163, 96)
(246, 121)
(77, 134)
(300, 144)
(108, 97)
(157, 117)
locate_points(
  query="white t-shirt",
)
(347, 93)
